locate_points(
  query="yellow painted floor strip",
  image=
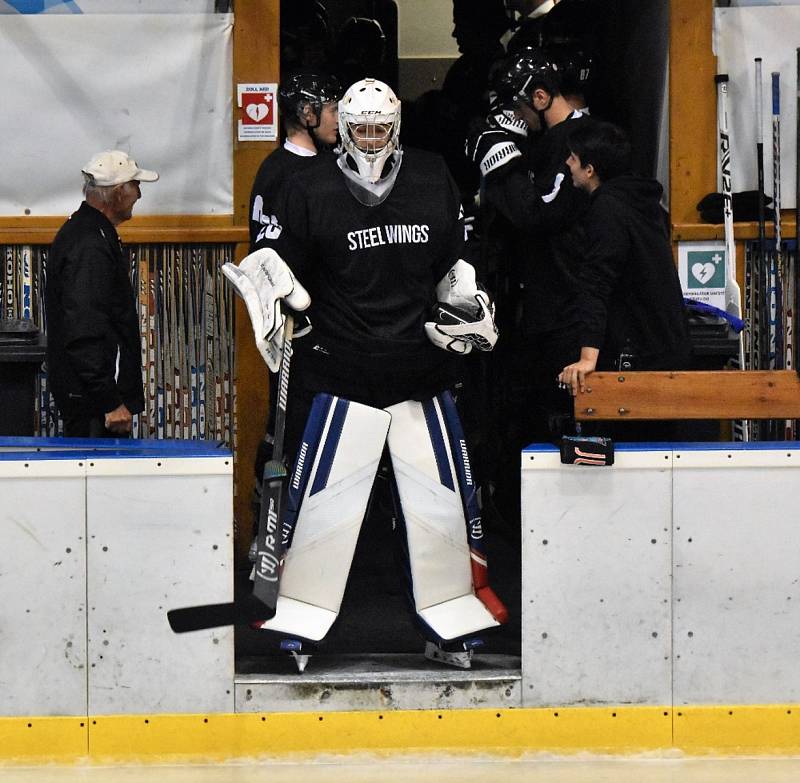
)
(510, 733)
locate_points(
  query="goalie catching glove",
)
(463, 317)
(263, 279)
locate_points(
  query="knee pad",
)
(329, 489)
(441, 519)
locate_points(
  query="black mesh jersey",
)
(372, 271)
(272, 175)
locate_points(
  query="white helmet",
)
(369, 126)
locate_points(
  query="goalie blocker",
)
(437, 517)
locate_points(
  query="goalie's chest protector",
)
(380, 264)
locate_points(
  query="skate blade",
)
(461, 659)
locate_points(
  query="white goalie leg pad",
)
(425, 469)
(333, 475)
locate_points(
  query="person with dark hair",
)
(629, 300)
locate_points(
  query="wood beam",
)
(256, 58)
(732, 394)
(692, 108)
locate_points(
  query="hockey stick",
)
(793, 264)
(763, 274)
(262, 602)
(775, 262)
(784, 314)
(733, 294)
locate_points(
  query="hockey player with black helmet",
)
(576, 64)
(370, 241)
(538, 198)
(308, 107)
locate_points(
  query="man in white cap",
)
(93, 352)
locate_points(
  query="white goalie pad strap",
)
(262, 279)
(336, 475)
(433, 513)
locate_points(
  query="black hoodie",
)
(630, 298)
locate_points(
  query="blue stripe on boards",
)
(41, 6)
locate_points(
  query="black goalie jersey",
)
(372, 273)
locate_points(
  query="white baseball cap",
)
(115, 167)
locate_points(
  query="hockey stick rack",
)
(696, 394)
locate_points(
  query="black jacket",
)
(91, 313)
(630, 298)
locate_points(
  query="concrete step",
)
(375, 682)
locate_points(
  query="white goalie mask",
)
(369, 127)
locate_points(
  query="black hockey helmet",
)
(307, 88)
(575, 64)
(514, 79)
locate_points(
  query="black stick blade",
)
(199, 618)
(269, 541)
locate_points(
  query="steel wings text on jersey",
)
(413, 234)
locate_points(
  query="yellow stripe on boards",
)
(43, 739)
(501, 732)
(769, 730)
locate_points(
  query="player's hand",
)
(573, 376)
(119, 421)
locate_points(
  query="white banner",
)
(155, 85)
(741, 35)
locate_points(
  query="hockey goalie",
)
(367, 243)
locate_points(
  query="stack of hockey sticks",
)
(771, 290)
(186, 324)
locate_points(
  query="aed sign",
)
(258, 112)
(702, 271)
